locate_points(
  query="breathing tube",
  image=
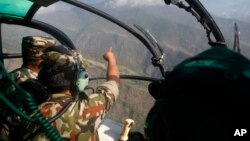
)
(37, 116)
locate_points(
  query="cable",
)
(37, 117)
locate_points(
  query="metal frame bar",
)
(131, 77)
(58, 34)
(112, 19)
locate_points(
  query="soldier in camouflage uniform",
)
(82, 118)
(32, 49)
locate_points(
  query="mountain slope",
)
(230, 9)
(175, 30)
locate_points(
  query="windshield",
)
(91, 34)
(228, 12)
(177, 31)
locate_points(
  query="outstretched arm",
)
(112, 69)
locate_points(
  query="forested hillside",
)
(176, 31)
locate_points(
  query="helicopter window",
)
(178, 36)
(92, 34)
(12, 40)
(177, 31)
(232, 13)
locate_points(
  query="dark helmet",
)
(204, 98)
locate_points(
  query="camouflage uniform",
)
(32, 49)
(82, 118)
(22, 74)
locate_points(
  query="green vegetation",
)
(178, 33)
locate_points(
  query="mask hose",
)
(39, 119)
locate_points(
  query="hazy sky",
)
(129, 2)
(137, 2)
(115, 3)
(216, 7)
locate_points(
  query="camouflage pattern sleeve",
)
(23, 74)
(101, 101)
(110, 86)
(82, 119)
(19, 75)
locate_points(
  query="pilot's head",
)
(204, 98)
(63, 69)
(57, 68)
